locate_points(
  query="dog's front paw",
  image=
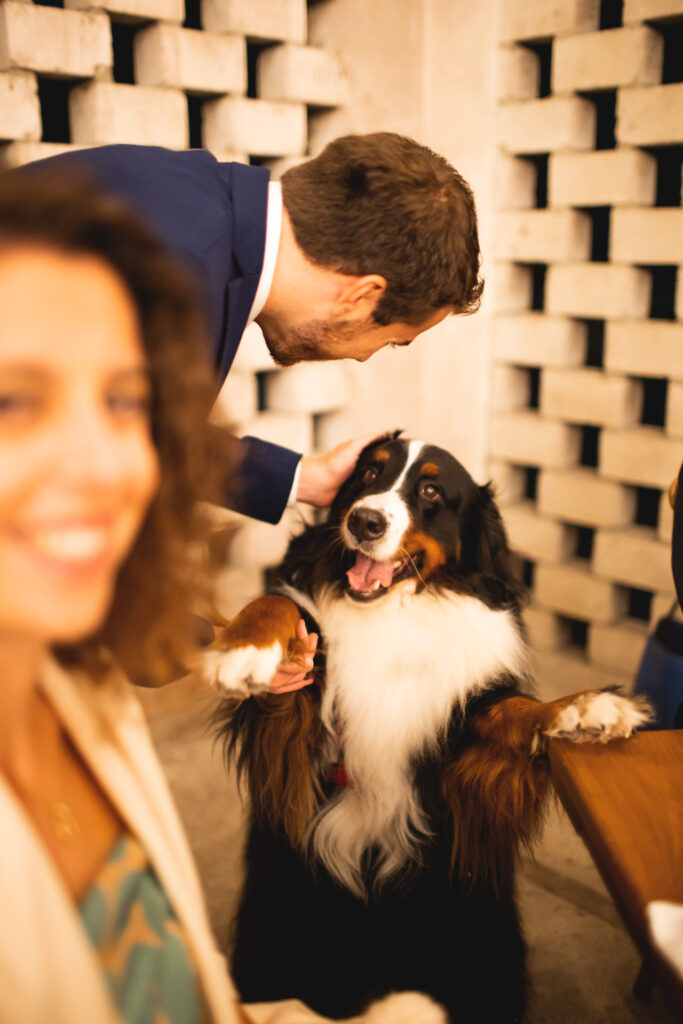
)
(599, 716)
(243, 670)
(245, 656)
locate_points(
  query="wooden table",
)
(626, 801)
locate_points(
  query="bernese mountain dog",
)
(389, 799)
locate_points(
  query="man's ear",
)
(359, 296)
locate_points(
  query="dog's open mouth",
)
(368, 579)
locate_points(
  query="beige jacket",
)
(49, 973)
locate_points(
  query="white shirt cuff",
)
(291, 500)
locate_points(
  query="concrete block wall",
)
(236, 77)
(587, 419)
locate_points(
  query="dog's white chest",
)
(396, 668)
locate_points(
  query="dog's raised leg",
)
(496, 789)
(273, 736)
(245, 656)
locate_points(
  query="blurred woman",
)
(103, 402)
(103, 397)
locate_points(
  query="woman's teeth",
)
(76, 543)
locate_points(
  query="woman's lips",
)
(72, 547)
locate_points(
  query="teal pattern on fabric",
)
(140, 943)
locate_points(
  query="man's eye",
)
(370, 474)
(429, 491)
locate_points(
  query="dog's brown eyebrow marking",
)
(381, 456)
(429, 469)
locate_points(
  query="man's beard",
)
(315, 341)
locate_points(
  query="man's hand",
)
(295, 674)
(322, 476)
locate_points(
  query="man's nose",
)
(367, 524)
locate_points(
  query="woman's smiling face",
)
(78, 466)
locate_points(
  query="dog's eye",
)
(370, 474)
(429, 491)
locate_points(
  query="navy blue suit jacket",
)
(213, 216)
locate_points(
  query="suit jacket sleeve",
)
(212, 216)
(261, 460)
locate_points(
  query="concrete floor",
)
(582, 962)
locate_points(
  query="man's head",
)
(379, 242)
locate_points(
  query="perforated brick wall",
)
(587, 424)
(233, 76)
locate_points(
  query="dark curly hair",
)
(383, 204)
(147, 627)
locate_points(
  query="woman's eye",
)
(17, 406)
(430, 492)
(128, 404)
(370, 474)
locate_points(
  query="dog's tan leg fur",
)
(496, 789)
(276, 733)
(263, 622)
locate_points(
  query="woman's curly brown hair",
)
(147, 628)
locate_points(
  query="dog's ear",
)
(492, 556)
(390, 435)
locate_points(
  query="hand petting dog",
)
(296, 673)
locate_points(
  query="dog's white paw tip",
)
(405, 1008)
(243, 670)
(600, 717)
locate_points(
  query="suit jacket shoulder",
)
(211, 214)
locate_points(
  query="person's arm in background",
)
(261, 477)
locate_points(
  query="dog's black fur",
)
(445, 923)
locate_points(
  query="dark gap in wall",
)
(605, 103)
(611, 13)
(258, 161)
(654, 401)
(534, 387)
(122, 36)
(531, 482)
(538, 276)
(577, 631)
(590, 446)
(528, 573)
(672, 64)
(194, 120)
(669, 163)
(261, 385)
(544, 52)
(540, 162)
(663, 294)
(595, 343)
(53, 95)
(254, 50)
(639, 604)
(647, 506)
(600, 221)
(49, 3)
(193, 14)
(585, 536)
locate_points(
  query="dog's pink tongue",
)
(366, 571)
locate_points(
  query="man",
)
(367, 245)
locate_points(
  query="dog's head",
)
(410, 516)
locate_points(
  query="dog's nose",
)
(367, 524)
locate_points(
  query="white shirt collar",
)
(273, 229)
